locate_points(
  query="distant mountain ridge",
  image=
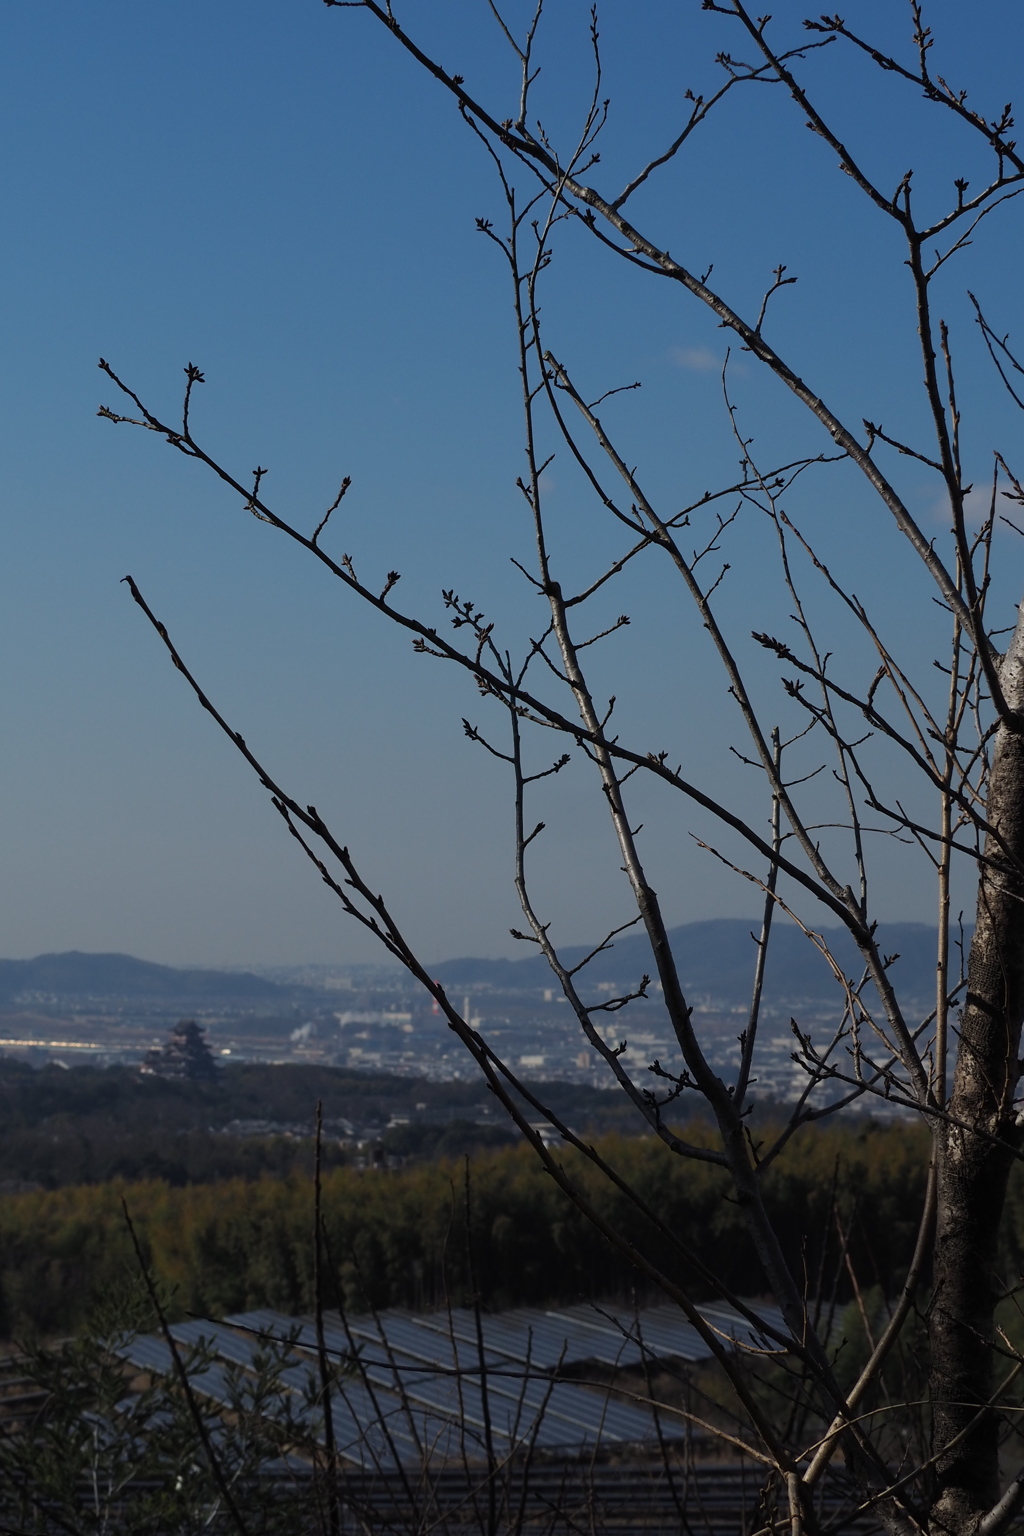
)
(80, 975)
(716, 960)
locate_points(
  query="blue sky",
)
(274, 192)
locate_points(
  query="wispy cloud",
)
(977, 505)
(977, 509)
(699, 359)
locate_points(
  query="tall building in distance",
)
(186, 1055)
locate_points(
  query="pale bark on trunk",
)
(974, 1163)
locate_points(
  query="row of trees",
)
(222, 1247)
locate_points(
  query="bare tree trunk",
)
(976, 1153)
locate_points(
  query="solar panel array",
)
(409, 1388)
(611, 1336)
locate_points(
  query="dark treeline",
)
(119, 1098)
(87, 1125)
(399, 1237)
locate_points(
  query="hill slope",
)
(716, 959)
(78, 975)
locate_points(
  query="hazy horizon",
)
(385, 962)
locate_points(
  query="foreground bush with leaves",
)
(104, 1450)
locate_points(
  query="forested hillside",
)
(399, 1237)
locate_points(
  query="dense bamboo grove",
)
(397, 1236)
